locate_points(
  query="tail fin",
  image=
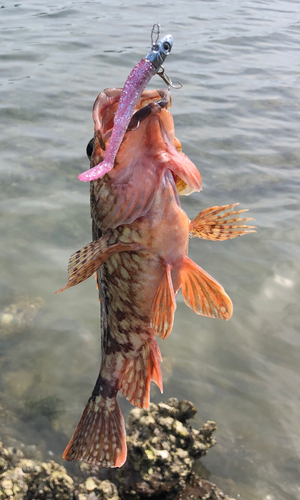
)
(208, 225)
(140, 371)
(202, 293)
(100, 437)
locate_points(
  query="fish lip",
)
(160, 50)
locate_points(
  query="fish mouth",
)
(106, 104)
(151, 102)
(105, 108)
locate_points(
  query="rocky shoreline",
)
(162, 449)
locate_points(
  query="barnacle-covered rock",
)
(9, 457)
(162, 448)
(48, 481)
(200, 489)
(13, 484)
(4, 459)
(94, 489)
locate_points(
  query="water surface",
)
(237, 117)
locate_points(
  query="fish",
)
(139, 253)
(136, 82)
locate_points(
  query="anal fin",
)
(100, 437)
(140, 370)
(202, 293)
(163, 306)
(209, 225)
(85, 262)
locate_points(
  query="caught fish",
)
(140, 254)
(136, 82)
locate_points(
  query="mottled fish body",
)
(139, 251)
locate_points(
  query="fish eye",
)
(90, 148)
(167, 46)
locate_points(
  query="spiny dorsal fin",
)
(208, 225)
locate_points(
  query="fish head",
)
(148, 149)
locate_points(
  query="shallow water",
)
(237, 117)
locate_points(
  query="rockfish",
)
(139, 252)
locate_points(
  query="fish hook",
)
(161, 72)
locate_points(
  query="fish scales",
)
(139, 251)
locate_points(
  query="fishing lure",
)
(136, 82)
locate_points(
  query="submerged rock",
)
(162, 449)
(200, 489)
(19, 314)
(26, 479)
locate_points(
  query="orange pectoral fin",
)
(202, 293)
(163, 306)
(208, 225)
(85, 262)
(187, 172)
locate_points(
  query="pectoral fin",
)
(163, 306)
(202, 293)
(209, 225)
(188, 178)
(85, 262)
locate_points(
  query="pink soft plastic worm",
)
(136, 82)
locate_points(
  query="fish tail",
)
(140, 370)
(100, 437)
(202, 293)
(209, 225)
